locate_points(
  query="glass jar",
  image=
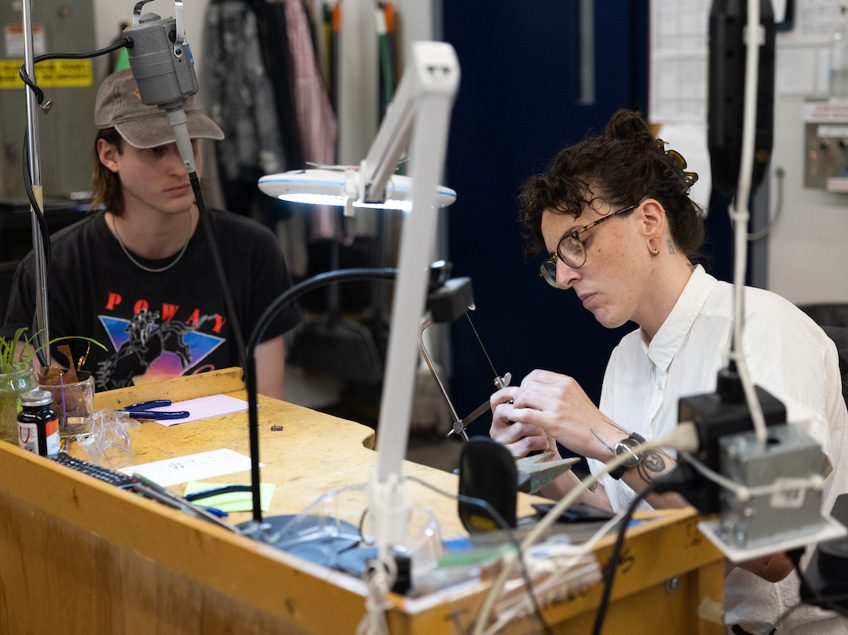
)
(73, 401)
(12, 385)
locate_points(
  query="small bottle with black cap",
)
(38, 425)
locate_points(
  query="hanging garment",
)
(274, 44)
(315, 117)
(241, 97)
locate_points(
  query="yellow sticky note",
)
(231, 501)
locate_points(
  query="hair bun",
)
(627, 125)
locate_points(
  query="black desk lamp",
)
(447, 299)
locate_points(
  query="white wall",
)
(808, 251)
(359, 91)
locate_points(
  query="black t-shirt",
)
(154, 325)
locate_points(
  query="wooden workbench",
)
(80, 556)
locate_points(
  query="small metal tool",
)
(154, 491)
(460, 425)
(143, 410)
(500, 381)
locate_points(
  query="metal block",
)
(770, 517)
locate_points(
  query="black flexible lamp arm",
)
(283, 300)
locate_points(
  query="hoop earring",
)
(654, 250)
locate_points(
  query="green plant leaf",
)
(12, 360)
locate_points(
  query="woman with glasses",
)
(614, 217)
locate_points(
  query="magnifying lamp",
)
(340, 187)
(417, 120)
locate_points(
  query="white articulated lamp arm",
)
(394, 134)
(420, 116)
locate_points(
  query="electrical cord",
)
(378, 580)
(44, 230)
(779, 174)
(216, 491)
(581, 569)
(502, 524)
(789, 611)
(745, 493)
(235, 323)
(615, 555)
(683, 438)
(259, 329)
(739, 215)
(36, 208)
(42, 354)
(39, 94)
(795, 557)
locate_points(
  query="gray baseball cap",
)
(118, 105)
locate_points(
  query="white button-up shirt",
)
(787, 354)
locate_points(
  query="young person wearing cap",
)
(137, 274)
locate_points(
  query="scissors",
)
(143, 410)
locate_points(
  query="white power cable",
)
(580, 568)
(580, 573)
(779, 175)
(379, 582)
(745, 493)
(683, 438)
(739, 214)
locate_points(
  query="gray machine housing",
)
(163, 67)
(766, 518)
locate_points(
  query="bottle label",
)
(28, 437)
(51, 433)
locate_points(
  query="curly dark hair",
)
(621, 167)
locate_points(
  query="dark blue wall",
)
(517, 106)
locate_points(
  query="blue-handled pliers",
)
(143, 410)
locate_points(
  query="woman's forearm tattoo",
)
(653, 465)
(602, 442)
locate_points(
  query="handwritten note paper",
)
(192, 467)
(202, 408)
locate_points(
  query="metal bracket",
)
(137, 11)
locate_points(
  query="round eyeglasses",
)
(572, 250)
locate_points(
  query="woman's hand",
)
(550, 405)
(519, 438)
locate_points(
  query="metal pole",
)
(33, 150)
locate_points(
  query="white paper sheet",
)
(678, 61)
(795, 71)
(201, 408)
(192, 467)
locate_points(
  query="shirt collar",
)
(671, 334)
